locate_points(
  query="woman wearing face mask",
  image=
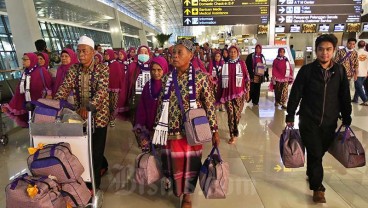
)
(233, 88)
(115, 83)
(138, 74)
(68, 58)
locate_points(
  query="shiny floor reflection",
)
(257, 179)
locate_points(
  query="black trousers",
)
(317, 140)
(255, 91)
(98, 148)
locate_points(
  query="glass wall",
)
(8, 56)
(59, 36)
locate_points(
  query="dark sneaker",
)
(364, 104)
(319, 197)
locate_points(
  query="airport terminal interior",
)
(257, 176)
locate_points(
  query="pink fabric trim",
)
(224, 99)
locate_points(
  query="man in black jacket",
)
(322, 88)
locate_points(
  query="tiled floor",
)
(257, 178)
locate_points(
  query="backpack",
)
(56, 160)
(46, 195)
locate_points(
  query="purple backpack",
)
(56, 160)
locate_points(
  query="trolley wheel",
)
(4, 140)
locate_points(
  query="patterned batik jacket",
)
(204, 98)
(350, 62)
(98, 94)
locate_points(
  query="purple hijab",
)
(63, 69)
(147, 107)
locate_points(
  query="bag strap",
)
(213, 152)
(43, 79)
(178, 94)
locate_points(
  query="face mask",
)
(157, 54)
(143, 58)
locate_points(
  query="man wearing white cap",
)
(89, 83)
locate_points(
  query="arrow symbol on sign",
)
(282, 10)
(282, 1)
(187, 11)
(187, 2)
(187, 21)
(277, 168)
(281, 19)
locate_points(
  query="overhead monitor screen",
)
(309, 28)
(339, 28)
(365, 27)
(353, 27)
(295, 28)
(324, 28)
(262, 29)
(280, 29)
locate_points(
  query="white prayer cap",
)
(86, 41)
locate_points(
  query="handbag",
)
(147, 168)
(260, 69)
(347, 149)
(214, 176)
(292, 150)
(196, 124)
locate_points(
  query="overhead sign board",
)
(225, 12)
(291, 12)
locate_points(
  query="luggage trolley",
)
(72, 133)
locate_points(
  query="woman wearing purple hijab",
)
(68, 58)
(124, 65)
(34, 84)
(115, 83)
(138, 74)
(147, 106)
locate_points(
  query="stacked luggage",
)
(56, 180)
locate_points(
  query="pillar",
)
(142, 35)
(24, 25)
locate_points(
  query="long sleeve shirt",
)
(350, 62)
(98, 77)
(204, 98)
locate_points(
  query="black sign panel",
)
(318, 12)
(225, 12)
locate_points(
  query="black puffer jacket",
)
(321, 101)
